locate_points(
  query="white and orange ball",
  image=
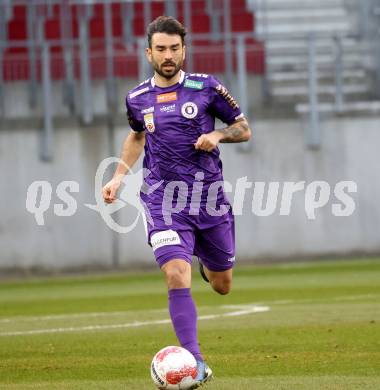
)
(173, 368)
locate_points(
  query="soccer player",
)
(172, 117)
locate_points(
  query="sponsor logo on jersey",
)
(167, 97)
(189, 110)
(169, 108)
(166, 237)
(139, 92)
(223, 91)
(147, 110)
(149, 122)
(193, 84)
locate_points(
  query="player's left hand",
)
(208, 142)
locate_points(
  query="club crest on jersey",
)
(189, 110)
(149, 122)
(167, 97)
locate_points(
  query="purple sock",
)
(184, 318)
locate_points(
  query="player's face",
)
(166, 54)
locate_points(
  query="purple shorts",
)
(210, 238)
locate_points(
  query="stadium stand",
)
(287, 26)
(48, 23)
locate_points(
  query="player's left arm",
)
(238, 131)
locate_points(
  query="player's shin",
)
(183, 314)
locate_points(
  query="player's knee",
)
(223, 290)
(176, 276)
(223, 286)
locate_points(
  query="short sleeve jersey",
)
(173, 119)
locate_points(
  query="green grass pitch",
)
(322, 329)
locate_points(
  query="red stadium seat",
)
(208, 55)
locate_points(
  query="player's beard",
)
(167, 73)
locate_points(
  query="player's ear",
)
(184, 52)
(148, 53)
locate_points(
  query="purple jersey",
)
(173, 118)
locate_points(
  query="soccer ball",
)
(173, 368)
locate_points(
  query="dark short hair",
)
(168, 25)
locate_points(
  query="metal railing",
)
(366, 30)
(55, 73)
(76, 62)
(315, 106)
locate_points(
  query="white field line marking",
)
(71, 316)
(316, 301)
(136, 324)
(301, 301)
(74, 315)
(322, 300)
(122, 313)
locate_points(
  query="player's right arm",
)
(132, 149)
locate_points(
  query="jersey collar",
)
(180, 81)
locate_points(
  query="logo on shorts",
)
(189, 110)
(166, 237)
(232, 259)
(149, 122)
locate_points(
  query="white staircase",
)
(285, 26)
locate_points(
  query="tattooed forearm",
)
(237, 132)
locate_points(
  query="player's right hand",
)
(110, 189)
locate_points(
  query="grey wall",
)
(349, 152)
